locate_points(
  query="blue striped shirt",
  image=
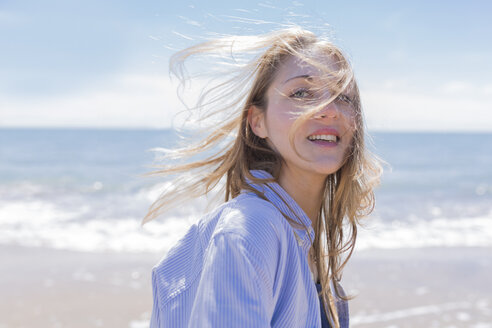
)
(241, 265)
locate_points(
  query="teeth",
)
(326, 137)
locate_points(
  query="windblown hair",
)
(233, 149)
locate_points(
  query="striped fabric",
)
(241, 265)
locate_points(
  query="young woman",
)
(290, 154)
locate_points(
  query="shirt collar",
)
(279, 197)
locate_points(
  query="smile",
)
(324, 137)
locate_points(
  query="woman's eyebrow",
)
(305, 76)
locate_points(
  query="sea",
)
(86, 190)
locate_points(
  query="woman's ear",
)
(256, 120)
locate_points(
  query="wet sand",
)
(434, 287)
(54, 288)
(430, 287)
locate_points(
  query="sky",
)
(421, 65)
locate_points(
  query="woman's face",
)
(322, 141)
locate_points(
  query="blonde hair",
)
(235, 149)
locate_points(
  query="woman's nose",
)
(330, 110)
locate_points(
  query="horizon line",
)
(150, 128)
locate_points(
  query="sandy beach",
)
(57, 288)
(432, 287)
(425, 287)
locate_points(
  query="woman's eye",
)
(344, 98)
(301, 93)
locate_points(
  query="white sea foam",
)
(443, 232)
(46, 224)
(84, 226)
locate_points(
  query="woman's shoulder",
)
(248, 211)
(254, 219)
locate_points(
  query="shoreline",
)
(424, 287)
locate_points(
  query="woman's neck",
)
(306, 190)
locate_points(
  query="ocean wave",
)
(53, 224)
(42, 224)
(417, 233)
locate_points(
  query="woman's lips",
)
(325, 137)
